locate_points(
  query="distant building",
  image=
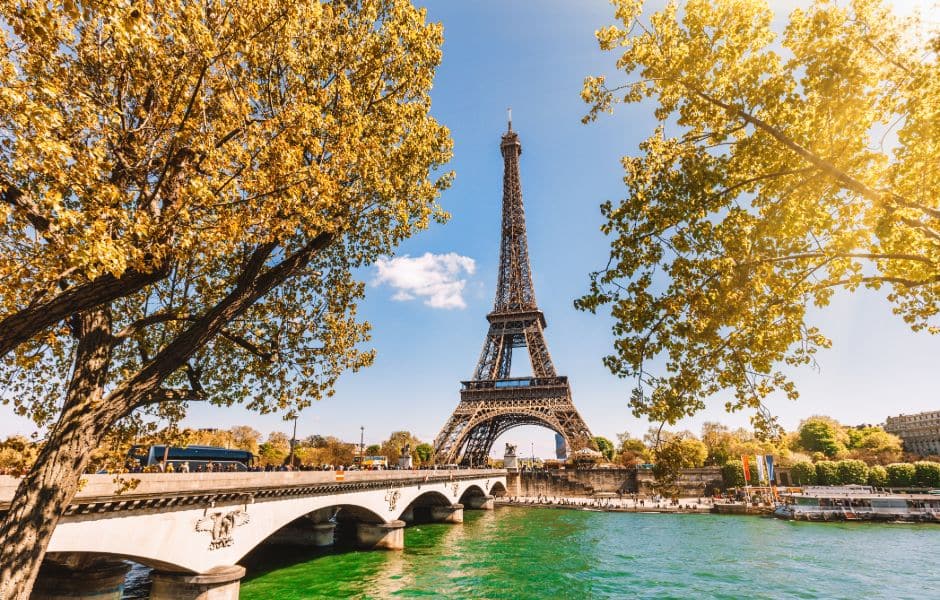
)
(561, 448)
(920, 433)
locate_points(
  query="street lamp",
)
(362, 445)
(293, 442)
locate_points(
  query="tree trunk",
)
(44, 494)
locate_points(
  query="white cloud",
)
(433, 277)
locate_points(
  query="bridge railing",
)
(98, 488)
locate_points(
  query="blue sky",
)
(428, 316)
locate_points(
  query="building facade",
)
(920, 433)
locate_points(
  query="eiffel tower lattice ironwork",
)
(493, 402)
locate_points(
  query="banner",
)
(770, 467)
(747, 470)
(760, 468)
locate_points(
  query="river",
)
(549, 553)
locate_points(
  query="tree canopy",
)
(185, 190)
(785, 167)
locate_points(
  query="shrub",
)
(877, 476)
(803, 473)
(852, 472)
(732, 474)
(827, 473)
(900, 474)
(926, 474)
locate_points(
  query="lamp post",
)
(362, 444)
(293, 442)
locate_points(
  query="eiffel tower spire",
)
(493, 401)
(514, 289)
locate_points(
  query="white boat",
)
(858, 504)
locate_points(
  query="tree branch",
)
(24, 324)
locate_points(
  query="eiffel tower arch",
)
(493, 401)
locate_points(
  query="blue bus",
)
(198, 458)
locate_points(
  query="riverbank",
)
(627, 505)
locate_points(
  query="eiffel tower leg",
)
(542, 365)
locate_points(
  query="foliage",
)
(185, 192)
(900, 475)
(803, 473)
(720, 443)
(775, 189)
(631, 451)
(424, 453)
(17, 455)
(852, 472)
(275, 450)
(392, 447)
(673, 452)
(926, 474)
(822, 434)
(827, 473)
(874, 445)
(373, 450)
(605, 447)
(723, 444)
(877, 476)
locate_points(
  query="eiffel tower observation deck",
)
(493, 401)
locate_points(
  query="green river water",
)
(543, 553)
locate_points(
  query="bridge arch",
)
(472, 491)
(498, 489)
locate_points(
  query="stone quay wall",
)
(577, 483)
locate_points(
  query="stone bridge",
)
(194, 528)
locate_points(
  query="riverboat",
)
(857, 503)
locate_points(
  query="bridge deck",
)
(162, 490)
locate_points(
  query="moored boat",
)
(857, 503)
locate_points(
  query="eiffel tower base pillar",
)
(447, 514)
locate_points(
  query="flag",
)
(747, 470)
(770, 467)
(760, 468)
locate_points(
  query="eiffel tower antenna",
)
(509, 117)
(493, 401)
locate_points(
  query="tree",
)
(720, 443)
(631, 451)
(874, 445)
(900, 475)
(827, 473)
(338, 452)
(877, 476)
(183, 199)
(245, 438)
(605, 447)
(926, 474)
(852, 472)
(770, 192)
(392, 447)
(822, 434)
(424, 454)
(275, 450)
(673, 452)
(373, 450)
(803, 473)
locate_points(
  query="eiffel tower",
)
(493, 402)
